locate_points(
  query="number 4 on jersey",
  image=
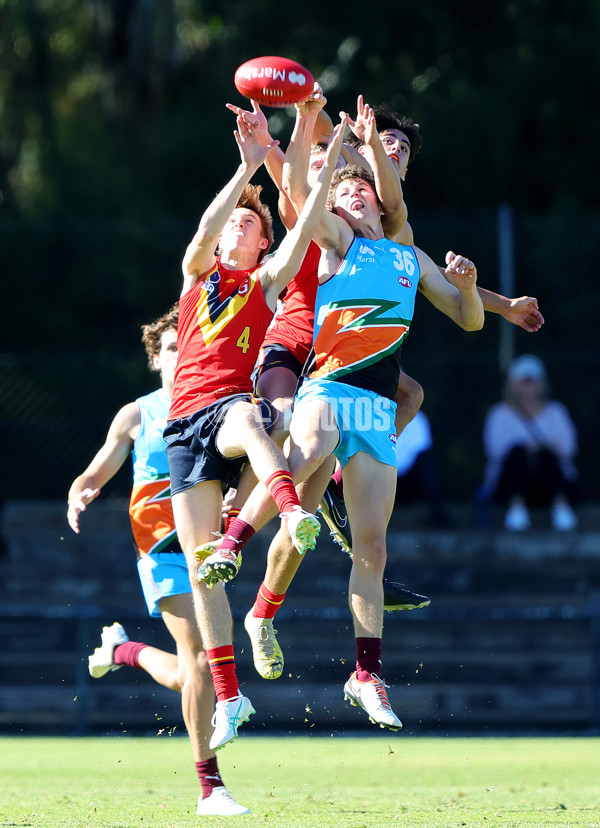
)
(244, 339)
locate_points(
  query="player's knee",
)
(281, 422)
(193, 670)
(372, 553)
(309, 452)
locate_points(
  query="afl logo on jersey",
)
(405, 282)
(213, 282)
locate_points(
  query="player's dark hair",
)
(152, 333)
(386, 119)
(250, 200)
(349, 171)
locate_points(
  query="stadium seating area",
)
(511, 641)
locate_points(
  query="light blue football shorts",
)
(163, 574)
(364, 419)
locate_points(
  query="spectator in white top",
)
(530, 444)
(417, 472)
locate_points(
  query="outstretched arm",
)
(200, 254)
(522, 311)
(455, 293)
(106, 463)
(330, 230)
(387, 182)
(274, 160)
(283, 266)
(298, 152)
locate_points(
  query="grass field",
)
(304, 783)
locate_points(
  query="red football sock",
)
(209, 776)
(129, 653)
(267, 603)
(222, 668)
(233, 513)
(281, 488)
(368, 658)
(237, 536)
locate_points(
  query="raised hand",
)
(335, 145)
(314, 103)
(460, 271)
(256, 119)
(252, 151)
(364, 126)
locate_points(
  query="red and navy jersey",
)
(293, 326)
(222, 324)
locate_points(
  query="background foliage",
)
(115, 136)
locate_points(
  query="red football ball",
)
(274, 81)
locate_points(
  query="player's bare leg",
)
(279, 385)
(190, 676)
(409, 399)
(197, 517)
(228, 437)
(369, 488)
(197, 700)
(242, 433)
(283, 561)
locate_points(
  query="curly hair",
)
(386, 119)
(250, 200)
(349, 171)
(152, 333)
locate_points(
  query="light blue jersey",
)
(363, 314)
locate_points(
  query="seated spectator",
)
(530, 443)
(417, 473)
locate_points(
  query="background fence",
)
(68, 363)
(510, 643)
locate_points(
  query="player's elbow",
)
(187, 265)
(473, 324)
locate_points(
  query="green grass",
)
(322, 782)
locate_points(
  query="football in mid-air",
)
(274, 81)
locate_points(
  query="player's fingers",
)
(460, 264)
(338, 128)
